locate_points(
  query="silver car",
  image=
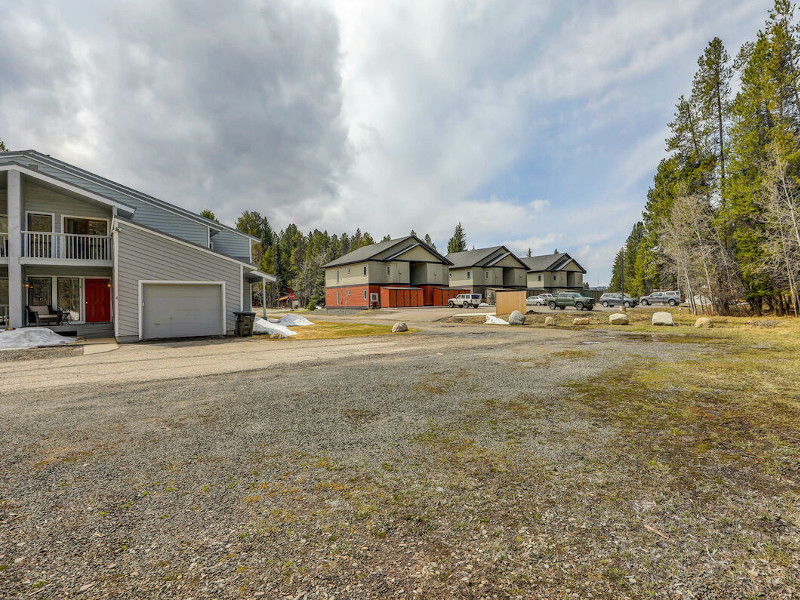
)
(540, 300)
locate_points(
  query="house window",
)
(365, 271)
(69, 296)
(42, 223)
(469, 274)
(40, 291)
(451, 274)
(337, 298)
(348, 270)
(486, 274)
(540, 278)
(337, 276)
(85, 226)
(554, 277)
(348, 292)
(365, 294)
(388, 270)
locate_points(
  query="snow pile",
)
(264, 326)
(492, 320)
(292, 321)
(31, 337)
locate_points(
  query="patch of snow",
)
(292, 321)
(492, 320)
(31, 337)
(264, 326)
(482, 304)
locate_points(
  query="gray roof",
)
(550, 262)
(115, 187)
(482, 257)
(370, 252)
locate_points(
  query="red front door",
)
(98, 301)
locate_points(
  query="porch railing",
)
(71, 246)
(3, 244)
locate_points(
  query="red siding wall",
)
(355, 299)
(440, 295)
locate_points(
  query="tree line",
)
(722, 216)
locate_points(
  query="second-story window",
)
(365, 271)
(388, 270)
(486, 274)
(469, 274)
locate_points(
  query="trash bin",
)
(244, 323)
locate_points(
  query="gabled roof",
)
(373, 252)
(550, 262)
(68, 173)
(482, 257)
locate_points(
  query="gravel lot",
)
(457, 462)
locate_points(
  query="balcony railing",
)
(3, 245)
(70, 246)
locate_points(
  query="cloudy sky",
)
(536, 124)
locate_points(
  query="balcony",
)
(69, 248)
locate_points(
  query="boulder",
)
(619, 319)
(580, 321)
(277, 336)
(549, 322)
(399, 327)
(516, 318)
(705, 322)
(663, 318)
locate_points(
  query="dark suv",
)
(615, 299)
(673, 298)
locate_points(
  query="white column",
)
(16, 293)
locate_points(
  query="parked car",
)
(565, 299)
(616, 299)
(673, 298)
(540, 300)
(465, 301)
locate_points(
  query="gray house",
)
(554, 272)
(486, 270)
(83, 254)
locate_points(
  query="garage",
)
(181, 309)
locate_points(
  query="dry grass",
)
(328, 330)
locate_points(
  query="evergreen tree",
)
(208, 215)
(457, 243)
(429, 241)
(3, 146)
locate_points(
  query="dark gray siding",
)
(39, 199)
(232, 244)
(144, 255)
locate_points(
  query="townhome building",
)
(399, 272)
(487, 270)
(553, 272)
(82, 254)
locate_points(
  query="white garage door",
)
(172, 310)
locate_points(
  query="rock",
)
(663, 318)
(399, 327)
(704, 322)
(619, 319)
(549, 322)
(516, 318)
(580, 321)
(276, 336)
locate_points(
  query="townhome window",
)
(81, 226)
(348, 270)
(365, 294)
(388, 270)
(337, 276)
(554, 277)
(539, 278)
(469, 274)
(365, 271)
(486, 274)
(69, 296)
(40, 291)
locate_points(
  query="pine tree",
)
(208, 214)
(457, 243)
(429, 241)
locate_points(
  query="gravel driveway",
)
(451, 463)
